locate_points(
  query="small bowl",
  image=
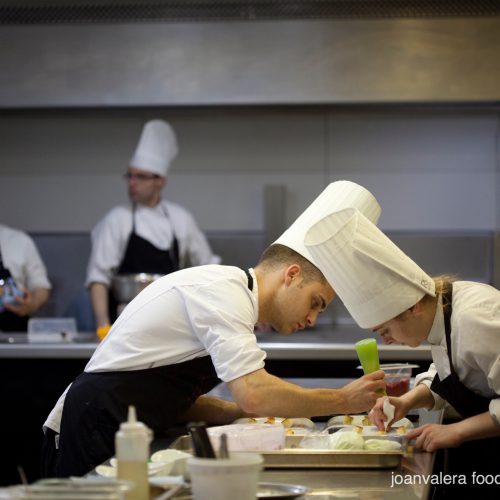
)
(397, 378)
(127, 286)
(173, 461)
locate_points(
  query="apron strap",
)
(249, 279)
(174, 247)
(447, 310)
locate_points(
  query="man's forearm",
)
(39, 297)
(276, 397)
(419, 397)
(264, 394)
(213, 411)
(99, 300)
(477, 427)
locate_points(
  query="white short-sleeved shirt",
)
(184, 315)
(475, 343)
(20, 256)
(111, 234)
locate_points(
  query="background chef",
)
(150, 235)
(20, 260)
(192, 328)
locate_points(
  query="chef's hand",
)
(102, 331)
(378, 417)
(361, 394)
(431, 437)
(25, 305)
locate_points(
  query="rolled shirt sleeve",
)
(194, 248)
(35, 271)
(494, 379)
(426, 379)
(21, 257)
(109, 238)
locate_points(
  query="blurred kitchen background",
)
(271, 101)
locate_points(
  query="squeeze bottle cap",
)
(132, 425)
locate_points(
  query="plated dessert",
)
(363, 425)
(293, 426)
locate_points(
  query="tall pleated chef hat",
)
(156, 148)
(375, 280)
(336, 196)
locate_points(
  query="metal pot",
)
(127, 286)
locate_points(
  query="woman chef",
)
(385, 291)
(189, 329)
(150, 235)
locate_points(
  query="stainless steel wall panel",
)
(259, 62)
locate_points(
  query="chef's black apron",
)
(97, 403)
(141, 256)
(480, 456)
(10, 322)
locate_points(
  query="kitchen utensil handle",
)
(223, 450)
(201, 442)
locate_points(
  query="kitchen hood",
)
(267, 52)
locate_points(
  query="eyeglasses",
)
(139, 177)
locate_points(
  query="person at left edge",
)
(20, 264)
(150, 234)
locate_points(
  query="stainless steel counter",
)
(321, 343)
(410, 480)
(405, 482)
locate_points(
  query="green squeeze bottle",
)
(368, 355)
(367, 351)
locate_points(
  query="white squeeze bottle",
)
(132, 453)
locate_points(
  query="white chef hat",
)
(336, 196)
(156, 148)
(375, 280)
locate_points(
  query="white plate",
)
(106, 470)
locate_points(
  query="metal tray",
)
(294, 457)
(275, 491)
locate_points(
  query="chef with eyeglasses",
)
(148, 235)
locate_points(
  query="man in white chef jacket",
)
(150, 235)
(190, 329)
(21, 262)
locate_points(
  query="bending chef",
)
(190, 329)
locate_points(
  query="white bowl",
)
(173, 461)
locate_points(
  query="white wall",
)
(431, 169)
